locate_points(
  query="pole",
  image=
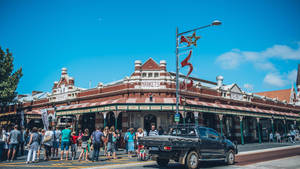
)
(221, 126)
(116, 123)
(177, 73)
(242, 133)
(258, 129)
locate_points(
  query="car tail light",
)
(167, 148)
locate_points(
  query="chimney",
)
(137, 65)
(162, 65)
(36, 92)
(71, 81)
(219, 81)
(63, 71)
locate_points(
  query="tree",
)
(8, 79)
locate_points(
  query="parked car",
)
(190, 144)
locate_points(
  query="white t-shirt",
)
(49, 134)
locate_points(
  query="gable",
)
(235, 89)
(150, 65)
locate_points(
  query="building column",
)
(196, 115)
(104, 118)
(272, 123)
(116, 113)
(221, 123)
(285, 124)
(242, 130)
(258, 130)
(77, 122)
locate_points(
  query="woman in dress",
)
(130, 142)
(139, 135)
(105, 133)
(84, 145)
(33, 145)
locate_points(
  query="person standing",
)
(97, 137)
(118, 135)
(2, 141)
(84, 145)
(139, 135)
(111, 143)
(130, 140)
(14, 140)
(48, 143)
(126, 140)
(271, 139)
(33, 145)
(153, 131)
(40, 140)
(105, 134)
(160, 131)
(57, 134)
(74, 139)
(65, 142)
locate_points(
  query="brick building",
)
(148, 97)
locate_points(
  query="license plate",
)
(154, 148)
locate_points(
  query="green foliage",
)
(8, 79)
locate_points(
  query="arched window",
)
(148, 121)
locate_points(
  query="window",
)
(203, 132)
(144, 75)
(213, 134)
(149, 74)
(155, 74)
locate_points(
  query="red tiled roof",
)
(279, 94)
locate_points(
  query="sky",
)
(257, 46)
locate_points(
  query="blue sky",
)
(257, 46)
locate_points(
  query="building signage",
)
(150, 85)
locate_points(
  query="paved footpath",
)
(124, 162)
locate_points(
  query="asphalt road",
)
(124, 162)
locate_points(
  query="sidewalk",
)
(266, 145)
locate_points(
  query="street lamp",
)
(214, 23)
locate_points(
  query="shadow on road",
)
(204, 164)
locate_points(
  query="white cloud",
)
(292, 75)
(260, 60)
(249, 87)
(275, 79)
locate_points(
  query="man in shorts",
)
(56, 134)
(14, 139)
(65, 142)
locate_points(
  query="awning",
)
(166, 101)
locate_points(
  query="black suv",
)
(190, 144)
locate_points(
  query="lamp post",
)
(214, 23)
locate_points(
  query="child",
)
(74, 139)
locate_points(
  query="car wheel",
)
(230, 157)
(162, 162)
(192, 160)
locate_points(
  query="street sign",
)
(177, 117)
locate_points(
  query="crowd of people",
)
(291, 136)
(35, 141)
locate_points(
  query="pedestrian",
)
(14, 139)
(153, 131)
(160, 130)
(271, 139)
(33, 145)
(111, 143)
(2, 142)
(48, 142)
(22, 141)
(40, 140)
(118, 135)
(278, 137)
(74, 139)
(130, 140)
(65, 142)
(126, 140)
(56, 134)
(97, 138)
(139, 135)
(84, 145)
(105, 134)
(6, 144)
